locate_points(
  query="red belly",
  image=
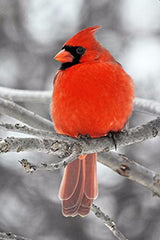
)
(86, 102)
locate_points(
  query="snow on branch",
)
(14, 110)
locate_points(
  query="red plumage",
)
(92, 95)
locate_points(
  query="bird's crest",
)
(85, 38)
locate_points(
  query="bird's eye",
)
(80, 50)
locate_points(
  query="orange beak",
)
(64, 56)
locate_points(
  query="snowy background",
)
(31, 33)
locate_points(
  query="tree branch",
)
(14, 110)
(30, 168)
(25, 95)
(108, 222)
(103, 144)
(146, 105)
(124, 138)
(132, 170)
(117, 162)
(70, 149)
(10, 236)
(20, 128)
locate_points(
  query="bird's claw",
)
(84, 137)
(112, 135)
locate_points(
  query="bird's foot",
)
(84, 137)
(112, 135)
(126, 126)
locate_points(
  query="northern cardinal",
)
(92, 96)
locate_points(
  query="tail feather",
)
(70, 180)
(91, 187)
(85, 206)
(78, 196)
(71, 205)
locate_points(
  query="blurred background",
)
(31, 33)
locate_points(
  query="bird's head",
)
(82, 47)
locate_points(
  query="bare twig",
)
(30, 168)
(20, 128)
(146, 105)
(14, 110)
(108, 222)
(25, 95)
(132, 170)
(10, 236)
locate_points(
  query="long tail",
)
(79, 186)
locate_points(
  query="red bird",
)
(92, 96)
